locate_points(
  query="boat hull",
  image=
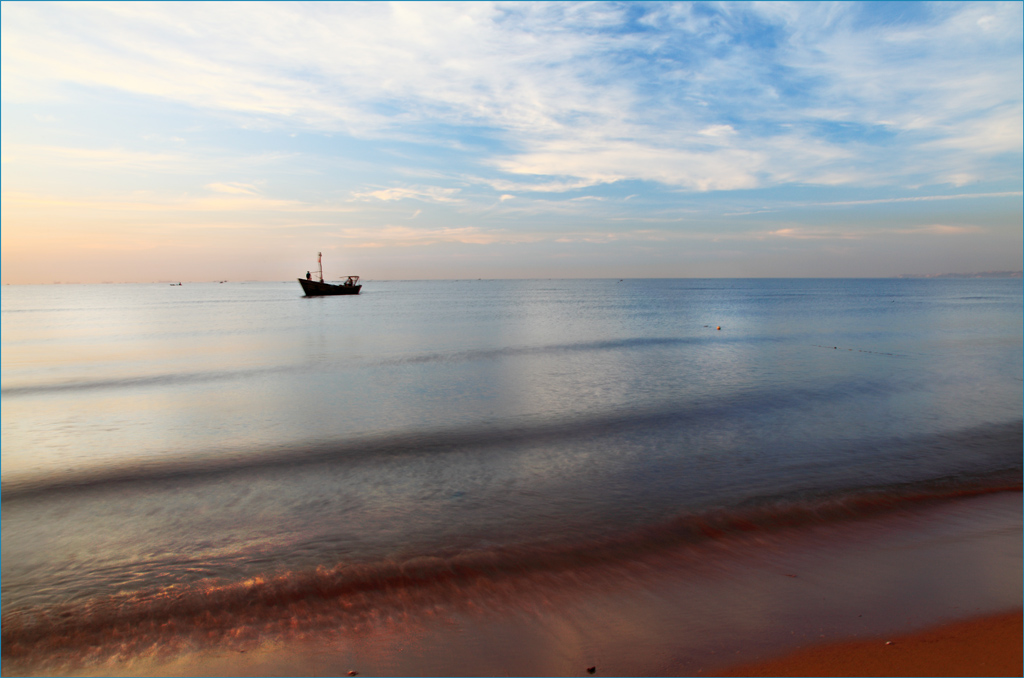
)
(315, 288)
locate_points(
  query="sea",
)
(220, 467)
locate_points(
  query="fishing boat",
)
(318, 288)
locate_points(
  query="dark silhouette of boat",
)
(319, 288)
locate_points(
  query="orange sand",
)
(987, 646)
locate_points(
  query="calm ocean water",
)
(222, 451)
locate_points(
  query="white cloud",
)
(960, 179)
(425, 193)
(233, 188)
(1002, 131)
(574, 101)
(717, 131)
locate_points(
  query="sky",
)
(209, 141)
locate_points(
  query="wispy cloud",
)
(425, 193)
(233, 188)
(164, 162)
(578, 94)
(940, 229)
(406, 236)
(877, 201)
(94, 157)
(812, 234)
(919, 198)
(219, 201)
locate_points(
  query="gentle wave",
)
(736, 404)
(184, 378)
(348, 597)
(509, 352)
(173, 379)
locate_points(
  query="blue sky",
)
(204, 141)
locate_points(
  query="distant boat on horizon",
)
(319, 288)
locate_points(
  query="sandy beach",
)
(986, 646)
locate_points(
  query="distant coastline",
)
(984, 274)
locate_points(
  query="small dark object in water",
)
(591, 669)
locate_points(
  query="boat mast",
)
(320, 265)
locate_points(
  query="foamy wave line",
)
(349, 597)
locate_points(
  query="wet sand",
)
(832, 593)
(986, 646)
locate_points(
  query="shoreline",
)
(992, 645)
(710, 609)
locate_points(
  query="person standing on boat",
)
(309, 276)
